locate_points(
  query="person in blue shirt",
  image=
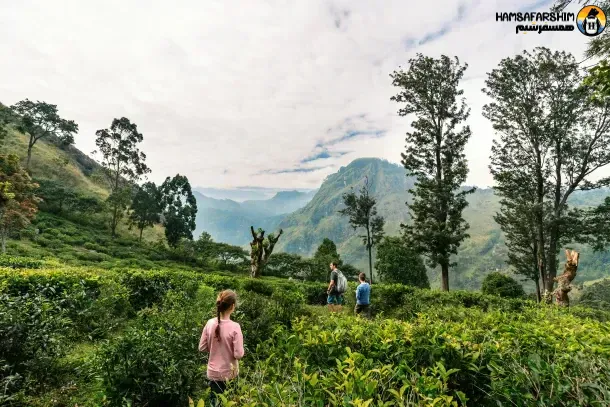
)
(363, 297)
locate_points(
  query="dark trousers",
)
(216, 388)
(365, 309)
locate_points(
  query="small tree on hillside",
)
(324, 255)
(435, 156)
(18, 203)
(146, 207)
(41, 120)
(398, 263)
(179, 209)
(362, 212)
(261, 249)
(123, 164)
(501, 285)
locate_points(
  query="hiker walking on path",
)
(363, 297)
(223, 339)
(336, 288)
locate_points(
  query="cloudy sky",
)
(266, 93)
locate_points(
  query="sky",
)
(256, 93)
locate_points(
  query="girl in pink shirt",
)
(222, 338)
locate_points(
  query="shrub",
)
(220, 283)
(20, 262)
(258, 286)
(501, 285)
(149, 287)
(156, 362)
(484, 359)
(33, 332)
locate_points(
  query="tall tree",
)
(362, 213)
(261, 249)
(435, 156)
(516, 182)
(146, 207)
(18, 202)
(123, 164)
(41, 120)
(179, 209)
(550, 127)
(398, 263)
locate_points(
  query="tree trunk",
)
(368, 234)
(254, 270)
(3, 239)
(551, 269)
(115, 214)
(141, 231)
(538, 296)
(540, 217)
(30, 147)
(564, 280)
(445, 277)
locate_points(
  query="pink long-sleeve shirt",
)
(223, 363)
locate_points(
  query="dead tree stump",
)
(261, 249)
(564, 280)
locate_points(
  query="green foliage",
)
(290, 265)
(33, 333)
(435, 156)
(147, 288)
(18, 202)
(554, 163)
(179, 209)
(16, 262)
(448, 346)
(154, 362)
(397, 263)
(484, 359)
(499, 284)
(259, 287)
(596, 295)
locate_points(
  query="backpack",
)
(341, 282)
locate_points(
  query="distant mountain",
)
(242, 194)
(229, 221)
(482, 253)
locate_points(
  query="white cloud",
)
(230, 92)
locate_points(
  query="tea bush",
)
(430, 347)
(33, 333)
(147, 288)
(20, 262)
(543, 357)
(156, 361)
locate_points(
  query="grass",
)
(50, 162)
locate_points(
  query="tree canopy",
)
(42, 120)
(398, 263)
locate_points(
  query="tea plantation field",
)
(81, 336)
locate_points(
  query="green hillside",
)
(482, 253)
(72, 169)
(53, 162)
